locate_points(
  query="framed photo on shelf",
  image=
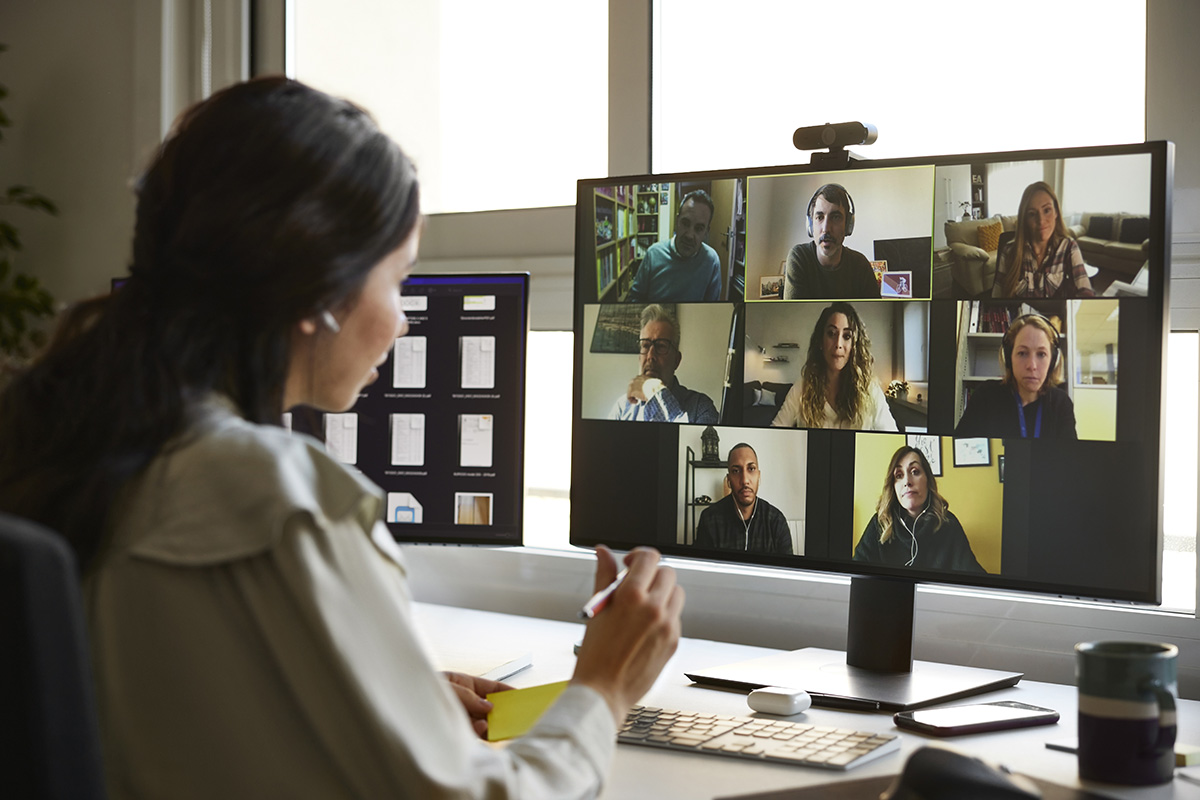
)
(973, 452)
(931, 447)
(770, 287)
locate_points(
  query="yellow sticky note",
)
(515, 711)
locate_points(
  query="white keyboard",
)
(763, 739)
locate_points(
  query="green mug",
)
(1127, 726)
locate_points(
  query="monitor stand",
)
(877, 672)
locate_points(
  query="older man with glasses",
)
(655, 394)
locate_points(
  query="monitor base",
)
(833, 684)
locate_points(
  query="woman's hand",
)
(472, 693)
(630, 640)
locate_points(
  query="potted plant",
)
(23, 300)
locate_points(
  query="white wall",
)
(952, 185)
(1113, 183)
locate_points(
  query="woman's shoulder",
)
(1057, 396)
(989, 392)
(226, 490)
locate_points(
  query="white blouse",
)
(876, 416)
(252, 636)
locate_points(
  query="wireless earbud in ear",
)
(330, 322)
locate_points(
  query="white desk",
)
(649, 772)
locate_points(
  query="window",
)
(1179, 472)
(733, 81)
(501, 105)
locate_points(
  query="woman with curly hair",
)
(836, 387)
(913, 526)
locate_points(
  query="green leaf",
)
(9, 238)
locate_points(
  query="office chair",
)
(49, 732)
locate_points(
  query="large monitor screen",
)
(441, 430)
(947, 369)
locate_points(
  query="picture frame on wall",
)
(931, 447)
(973, 452)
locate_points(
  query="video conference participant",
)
(1042, 260)
(1026, 403)
(912, 525)
(683, 269)
(837, 388)
(825, 268)
(655, 394)
(741, 520)
(249, 614)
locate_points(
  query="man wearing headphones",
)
(1027, 403)
(684, 269)
(824, 268)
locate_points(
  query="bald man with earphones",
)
(825, 268)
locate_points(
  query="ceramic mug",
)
(1126, 711)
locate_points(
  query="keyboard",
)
(764, 739)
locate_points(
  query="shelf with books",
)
(616, 223)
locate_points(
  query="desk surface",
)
(648, 772)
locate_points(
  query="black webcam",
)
(835, 136)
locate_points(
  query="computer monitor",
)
(847, 324)
(442, 431)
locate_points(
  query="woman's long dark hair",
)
(268, 203)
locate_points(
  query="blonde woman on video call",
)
(837, 388)
(1043, 260)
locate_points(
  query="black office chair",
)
(49, 733)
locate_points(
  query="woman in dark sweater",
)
(913, 526)
(1026, 403)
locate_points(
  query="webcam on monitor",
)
(834, 135)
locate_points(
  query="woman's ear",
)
(307, 326)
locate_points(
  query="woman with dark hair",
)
(1042, 260)
(1027, 402)
(836, 387)
(913, 526)
(249, 612)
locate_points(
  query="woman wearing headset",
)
(836, 387)
(913, 526)
(1027, 402)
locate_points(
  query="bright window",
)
(501, 105)
(732, 81)
(1179, 472)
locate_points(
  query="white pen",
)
(600, 599)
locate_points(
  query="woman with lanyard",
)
(1027, 402)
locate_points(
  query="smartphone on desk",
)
(974, 718)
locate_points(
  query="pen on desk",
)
(600, 599)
